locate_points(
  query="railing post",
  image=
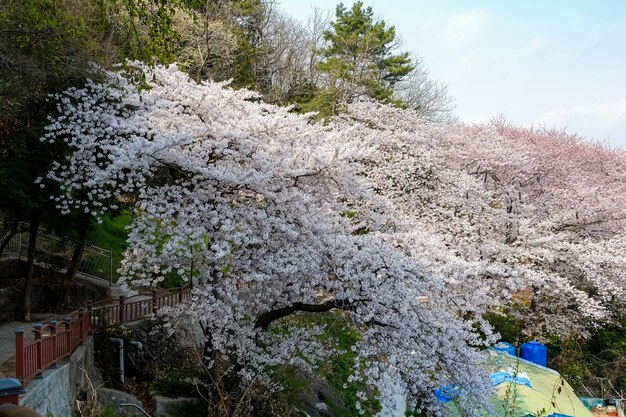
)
(86, 325)
(69, 341)
(122, 309)
(38, 349)
(180, 294)
(81, 325)
(155, 306)
(53, 335)
(19, 355)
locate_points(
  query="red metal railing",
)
(57, 339)
(51, 341)
(126, 311)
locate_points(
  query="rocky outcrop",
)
(166, 342)
(179, 407)
(120, 402)
(319, 399)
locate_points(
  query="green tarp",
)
(550, 394)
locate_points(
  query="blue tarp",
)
(499, 377)
(551, 415)
(446, 393)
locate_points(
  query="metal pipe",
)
(137, 407)
(136, 343)
(120, 343)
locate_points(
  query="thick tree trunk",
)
(77, 256)
(33, 228)
(512, 223)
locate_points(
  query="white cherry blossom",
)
(412, 230)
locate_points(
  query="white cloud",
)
(535, 45)
(464, 28)
(604, 121)
(610, 112)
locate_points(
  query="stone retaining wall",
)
(56, 392)
(166, 342)
(11, 268)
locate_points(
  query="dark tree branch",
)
(12, 232)
(265, 319)
(582, 225)
(310, 174)
(378, 323)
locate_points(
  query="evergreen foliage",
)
(359, 58)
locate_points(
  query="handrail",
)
(56, 340)
(103, 267)
(52, 341)
(124, 311)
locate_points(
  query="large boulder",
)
(319, 399)
(122, 403)
(179, 407)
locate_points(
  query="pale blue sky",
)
(554, 62)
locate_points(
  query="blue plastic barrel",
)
(534, 352)
(505, 347)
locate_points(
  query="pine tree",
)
(358, 59)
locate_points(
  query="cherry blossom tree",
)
(411, 230)
(543, 205)
(255, 205)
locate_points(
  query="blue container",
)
(10, 390)
(591, 402)
(506, 348)
(10, 386)
(534, 352)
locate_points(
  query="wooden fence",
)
(56, 340)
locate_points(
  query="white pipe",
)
(120, 343)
